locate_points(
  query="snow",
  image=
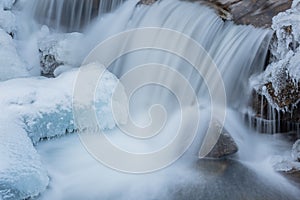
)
(296, 4)
(40, 108)
(8, 21)
(11, 65)
(22, 174)
(6, 4)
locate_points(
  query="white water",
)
(238, 51)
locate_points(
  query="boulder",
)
(225, 146)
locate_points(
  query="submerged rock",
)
(224, 147)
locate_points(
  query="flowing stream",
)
(237, 51)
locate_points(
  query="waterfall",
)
(238, 51)
(70, 15)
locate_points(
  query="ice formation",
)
(35, 109)
(283, 73)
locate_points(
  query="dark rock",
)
(48, 64)
(146, 2)
(258, 13)
(224, 147)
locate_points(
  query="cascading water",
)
(238, 52)
(70, 15)
(225, 42)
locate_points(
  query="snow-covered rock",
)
(38, 108)
(58, 49)
(22, 174)
(11, 65)
(45, 105)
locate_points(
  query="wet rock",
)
(146, 2)
(224, 147)
(255, 12)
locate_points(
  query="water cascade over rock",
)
(70, 15)
(185, 50)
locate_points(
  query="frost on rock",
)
(39, 108)
(56, 50)
(280, 82)
(11, 65)
(287, 41)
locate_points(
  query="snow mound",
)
(36, 109)
(21, 171)
(11, 65)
